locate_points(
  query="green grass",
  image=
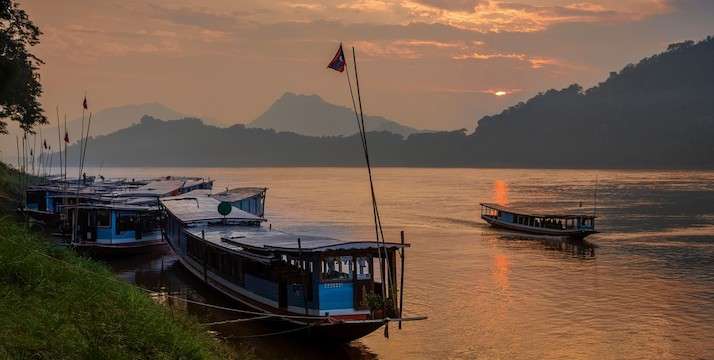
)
(9, 188)
(55, 304)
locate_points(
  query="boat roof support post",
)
(401, 280)
(304, 267)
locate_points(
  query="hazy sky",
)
(433, 64)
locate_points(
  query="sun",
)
(500, 93)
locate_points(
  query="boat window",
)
(363, 272)
(126, 222)
(149, 223)
(104, 218)
(336, 268)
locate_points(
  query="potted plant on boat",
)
(378, 308)
(376, 305)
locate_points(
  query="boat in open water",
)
(326, 288)
(576, 226)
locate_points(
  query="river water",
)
(641, 289)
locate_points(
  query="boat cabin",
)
(579, 225)
(114, 225)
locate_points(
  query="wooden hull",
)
(576, 234)
(48, 219)
(109, 250)
(314, 328)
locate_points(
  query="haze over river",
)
(641, 289)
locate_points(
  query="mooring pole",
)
(205, 256)
(401, 281)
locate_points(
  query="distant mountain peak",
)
(312, 115)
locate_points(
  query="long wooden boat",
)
(569, 225)
(325, 287)
(115, 229)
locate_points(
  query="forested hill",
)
(658, 113)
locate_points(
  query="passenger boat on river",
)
(569, 225)
(323, 286)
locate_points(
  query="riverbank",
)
(55, 304)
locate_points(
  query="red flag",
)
(338, 62)
(84, 103)
(66, 137)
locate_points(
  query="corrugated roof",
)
(535, 214)
(190, 208)
(253, 237)
(238, 194)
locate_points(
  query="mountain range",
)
(657, 113)
(311, 115)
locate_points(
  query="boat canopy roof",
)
(239, 238)
(195, 207)
(120, 207)
(238, 194)
(535, 214)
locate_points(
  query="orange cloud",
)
(535, 62)
(501, 16)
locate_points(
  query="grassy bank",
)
(55, 304)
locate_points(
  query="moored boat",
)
(570, 225)
(114, 229)
(322, 285)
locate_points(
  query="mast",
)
(375, 209)
(595, 198)
(59, 140)
(66, 134)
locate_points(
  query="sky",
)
(431, 64)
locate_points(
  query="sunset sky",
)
(434, 64)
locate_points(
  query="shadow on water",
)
(162, 274)
(579, 248)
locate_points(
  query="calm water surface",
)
(642, 289)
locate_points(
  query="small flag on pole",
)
(338, 62)
(66, 137)
(84, 103)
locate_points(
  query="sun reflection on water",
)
(500, 192)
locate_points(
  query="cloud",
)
(535, 62)
(499, 16)
(458, 5)
(367, 5)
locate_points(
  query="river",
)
(641, 289)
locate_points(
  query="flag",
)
(84, 103)
(338, 62)
(66, 137)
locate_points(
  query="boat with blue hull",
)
(108, 217)
(322, 286)
(576, 226)
(115, 229)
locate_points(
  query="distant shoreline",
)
(105, 166)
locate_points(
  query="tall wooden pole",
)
(59, 140)
(401, 281)
(65, 148)
(375, 211)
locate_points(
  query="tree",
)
(20, 86)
